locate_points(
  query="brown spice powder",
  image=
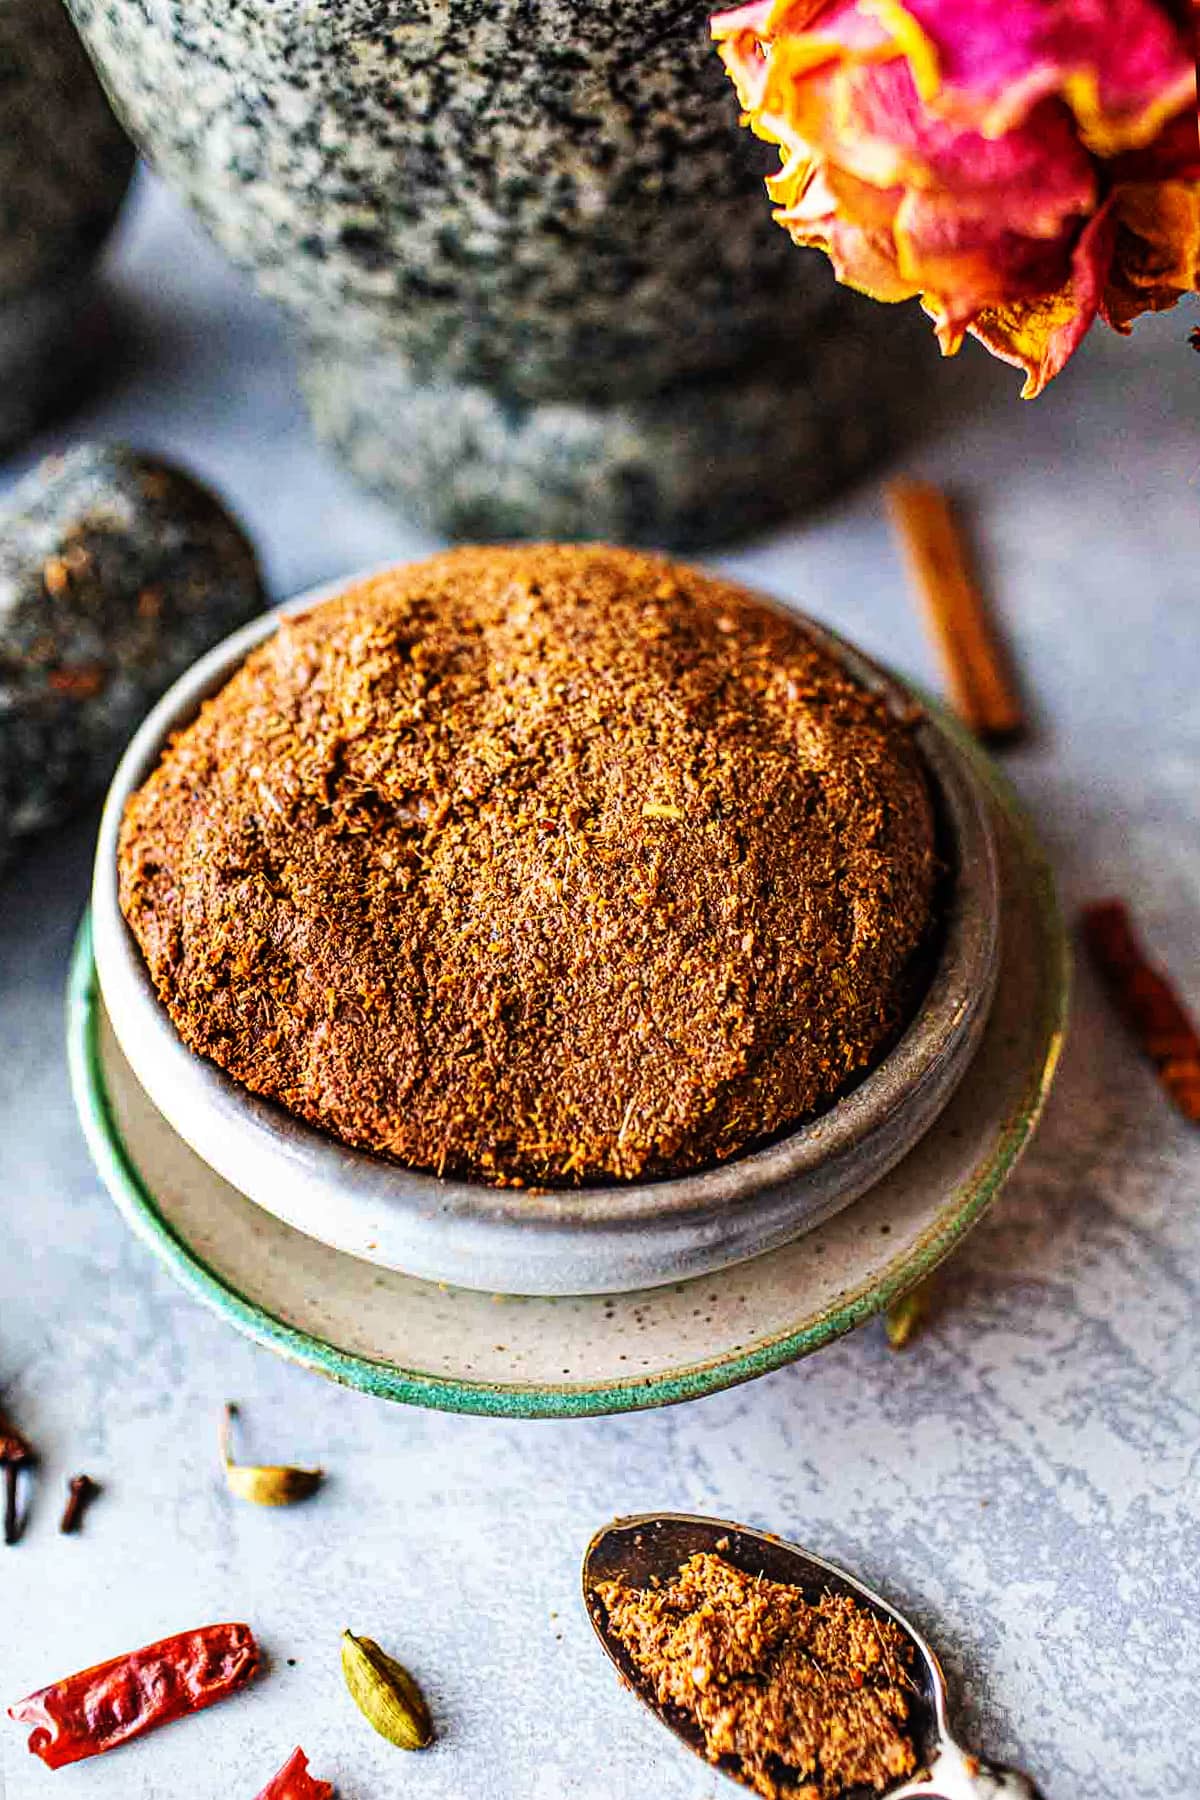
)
(544, 865)
(809, 1701)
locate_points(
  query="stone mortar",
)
(65, 164)
(530, 250)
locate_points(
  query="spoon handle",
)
(956, 1775)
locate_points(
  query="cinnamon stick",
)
(976, 670)
(1147, 1002)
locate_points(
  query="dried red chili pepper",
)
(105, 1706)
(1149, 1004)
(294, 1782)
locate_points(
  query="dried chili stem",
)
(1147, 1002)
(976, 670)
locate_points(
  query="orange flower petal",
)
(971, 263)
(852, 224)
(1041, 335)
(873, 123)
(1157, 252)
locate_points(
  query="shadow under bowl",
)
(586, 1240)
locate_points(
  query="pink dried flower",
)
(1023, 168)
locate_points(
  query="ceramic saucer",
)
(416, 1341)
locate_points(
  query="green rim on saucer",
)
(963, 1204)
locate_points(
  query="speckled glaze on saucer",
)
(64, 167)
(530, 250)
(461, 1351)
(592, 1239)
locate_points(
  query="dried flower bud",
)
(81, 1491)
(1026, 168)
(15, 1454)
(13, 1447)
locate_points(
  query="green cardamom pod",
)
(385, 1693)
(265, 1484)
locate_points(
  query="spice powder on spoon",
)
(807, 1701)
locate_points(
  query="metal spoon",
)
(650, 1545)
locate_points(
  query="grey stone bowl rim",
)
(943, 1032)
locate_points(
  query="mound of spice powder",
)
(805, 1702)
(540, 866)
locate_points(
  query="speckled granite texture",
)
(64, 167)
(1023, 1479)
(513, 229)
(703, 461)
(116, 572)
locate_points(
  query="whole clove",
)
(15, 1454)
(81, 1491)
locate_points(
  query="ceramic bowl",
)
(587, 1240)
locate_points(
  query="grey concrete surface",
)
(1023, 1479)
